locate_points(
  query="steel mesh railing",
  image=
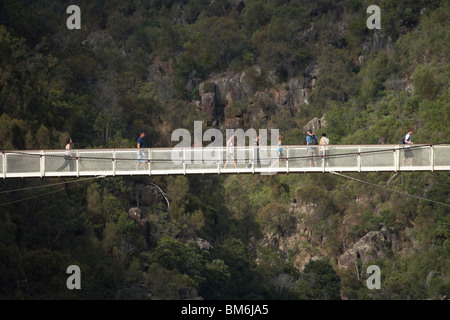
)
(441, 156)
(246, 159)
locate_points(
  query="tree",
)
(337, 80)
(45, 272)
(217, 284)
(275, 218)
(240, 267)
(319, 281)
(219, 38)
(166, 284)
(43, 137)
(11, 272)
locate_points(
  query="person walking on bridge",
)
(68, 157)
(324, 151)
(311, 150)
(408, 152)
(141, 153)
(230, 152)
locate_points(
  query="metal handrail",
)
(198, 160)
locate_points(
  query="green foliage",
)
(240, 267)
(136, 65)
(255, 15)
(337, 82)
(166, 284)
(12, 134)
(11, 271)
(217, 281)
(319, 281)
(276, 219)
(426, 84)
(45, 273)
(374, 74)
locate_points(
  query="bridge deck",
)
(213, 160)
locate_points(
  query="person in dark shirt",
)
(141, 154)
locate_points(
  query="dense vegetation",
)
(93, 84)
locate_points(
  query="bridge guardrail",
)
(215, 160)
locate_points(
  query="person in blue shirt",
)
(279, 150)
(141, 154)
(311, 140)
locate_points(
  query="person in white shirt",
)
(230, 152)
(68, 157)
(408, 152)
(325, 151)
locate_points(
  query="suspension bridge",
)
(219, 160)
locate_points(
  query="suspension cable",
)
(51, 184)
(389, 189)
(43, 194)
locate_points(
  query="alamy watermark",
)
(191, 151)
(374, 21)
(374, 280)
(74, 21)
(74, 281)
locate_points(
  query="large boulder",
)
(313, 124)
(136, 215)
(208, 105)
(230, 87)
(369, 248)
(203, 244)
(143, 223)
(224, 89)
(159, 68)
(97, 39)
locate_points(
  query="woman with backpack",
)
(311, 140)
(408, 153)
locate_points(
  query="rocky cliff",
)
(229, 97)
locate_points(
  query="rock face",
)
(315, 123)
(369, 248)
(228, 88)
(376, 41)
(209, 106)
(222, 90)
(203, 244)
(96, 38)
(373, 246)
(159, 68)
(144, 226)
(136, 215)
(210, 102)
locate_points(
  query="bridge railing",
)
(217, 160)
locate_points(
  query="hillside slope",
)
(159, 65)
